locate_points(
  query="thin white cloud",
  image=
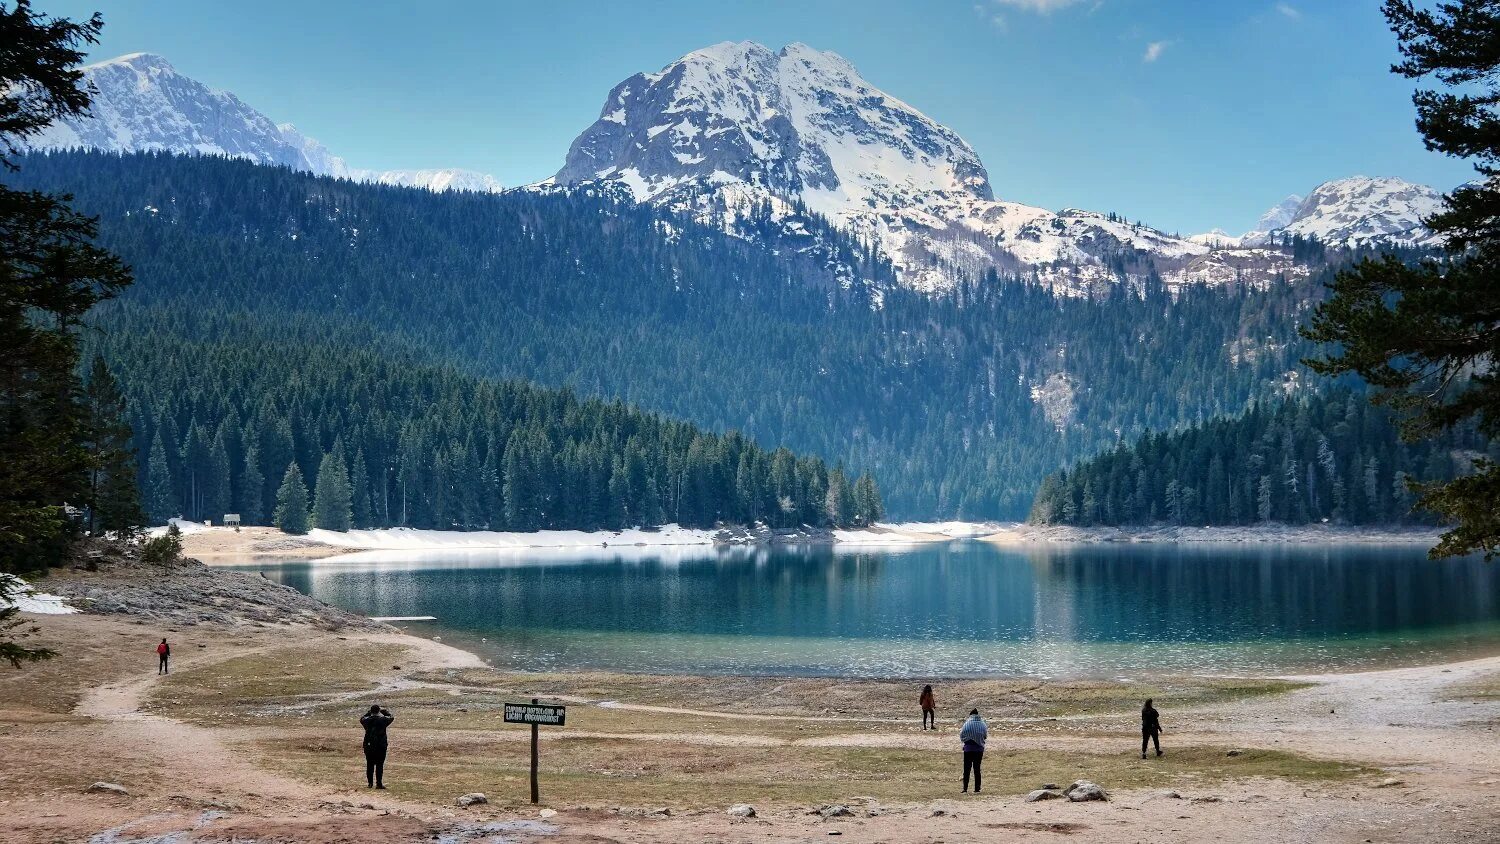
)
(989, 16)
(1288, 10)
(1041, 7)
(1154, 51)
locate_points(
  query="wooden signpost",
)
(535, 714)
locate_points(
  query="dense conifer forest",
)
(1332, 457)
(312, 429)
(959, 403)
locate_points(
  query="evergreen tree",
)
(359, 484)
(291, 502)
(333, 500)
(868, 508)
(251, 484)
(161, 497)
(1428, 332)
(50, 275)
(114, 496)
(839, 500)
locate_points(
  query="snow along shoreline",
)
(205, 541)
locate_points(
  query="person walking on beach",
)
(1150, 728)
(929, 707)
(973, 734)
(375, 723)
(163, 653)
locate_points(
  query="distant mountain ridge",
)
(737, 128)
(143, 103)
(756, 142)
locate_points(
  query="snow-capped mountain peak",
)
(142, 103)
(796, 121)
(737, 126)
(1360, 210)
(1279, 214)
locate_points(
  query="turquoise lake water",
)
(956, 609)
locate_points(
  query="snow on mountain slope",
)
(1279, 215)
(1357, 211)
(737, 126)
(1360, 210)
(142, 103)
(737, 129)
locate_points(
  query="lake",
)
(947, 610)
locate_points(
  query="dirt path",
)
(204, 760)
(1403, 717)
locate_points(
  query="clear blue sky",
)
(1069, 104)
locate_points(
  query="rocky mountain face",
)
(759, 143)
(142, 103)
(738, 130)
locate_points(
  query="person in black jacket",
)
(375, 723)
(1150, 728)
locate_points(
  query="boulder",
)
(109, 788)
(1082, 791)
(547, 813)
(472, 799)
(834, 811)
(1042, 794)
(1049, 786)
(742, 810)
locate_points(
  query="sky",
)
(1185, 114)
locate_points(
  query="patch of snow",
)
(29, 600)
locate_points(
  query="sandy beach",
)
(253, 738)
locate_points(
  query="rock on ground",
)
(472, 799)
(742, 810)
(1042, 794)
(1082, 791)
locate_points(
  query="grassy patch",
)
(288, 680)
(874, 699)
(1486, 688)
(625, 772)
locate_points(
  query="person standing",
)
(163, 653)
(929, 707)
(1150, 728)
(375, 723)
(973, 734)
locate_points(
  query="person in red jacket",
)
(163, 652)
(929, 707)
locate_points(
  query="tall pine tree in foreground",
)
(291, 502)
(50, 275)
(333, 507)
(1429, 333)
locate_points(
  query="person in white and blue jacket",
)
(973, 734)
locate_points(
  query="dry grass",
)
(301, 703)
(627, 772)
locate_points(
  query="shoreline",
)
(219, 545)
(256, 726)
(1330, 535)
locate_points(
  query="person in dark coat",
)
(163, 653)
(929, 707)
(1150, 728)
(375, 723)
